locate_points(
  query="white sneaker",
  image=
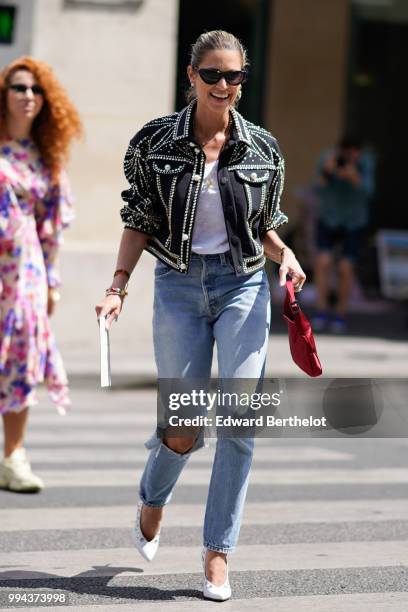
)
(16, 474)
(147, 549)
(210, 590)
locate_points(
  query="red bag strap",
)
(291, 294)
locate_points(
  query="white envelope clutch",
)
(105, 353)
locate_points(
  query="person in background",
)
(344, 186)
(37, 125)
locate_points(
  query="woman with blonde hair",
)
(203, 197)
(37, 125)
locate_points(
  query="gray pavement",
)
(325, 524)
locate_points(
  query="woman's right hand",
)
(109, 308)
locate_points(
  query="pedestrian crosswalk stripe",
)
(133, 453)
(170, 560)
(97, 436)
(86, 419)
(192, 515)
(199, 477)
(346, 602)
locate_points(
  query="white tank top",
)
(210, 234)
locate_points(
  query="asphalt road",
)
(325, 525)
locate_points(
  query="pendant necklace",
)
(209, 182)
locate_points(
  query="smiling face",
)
(220, 96)
(23, 106)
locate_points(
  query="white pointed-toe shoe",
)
(147, 549)
(210, 590)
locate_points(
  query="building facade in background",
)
(117, 61)
(317, 73)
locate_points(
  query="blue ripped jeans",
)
(191, 312)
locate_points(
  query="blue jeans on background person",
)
(191, 312)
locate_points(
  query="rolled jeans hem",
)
(145, 503)
(221, 549)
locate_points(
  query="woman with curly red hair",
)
(37, 125)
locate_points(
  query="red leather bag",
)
(301, 340)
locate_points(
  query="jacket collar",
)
(184, 125)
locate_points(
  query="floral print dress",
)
(33, 213)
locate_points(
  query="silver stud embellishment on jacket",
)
(158, 157)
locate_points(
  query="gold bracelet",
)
(121, 271)
(122, 293)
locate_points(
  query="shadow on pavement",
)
(92, 583)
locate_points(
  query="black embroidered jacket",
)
(165, 166)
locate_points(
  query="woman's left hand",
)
(291, 266)
(53, 298)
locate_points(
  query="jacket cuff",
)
(279, 219)
(140, 218)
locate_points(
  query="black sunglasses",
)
(22, 89)
(232, 77)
